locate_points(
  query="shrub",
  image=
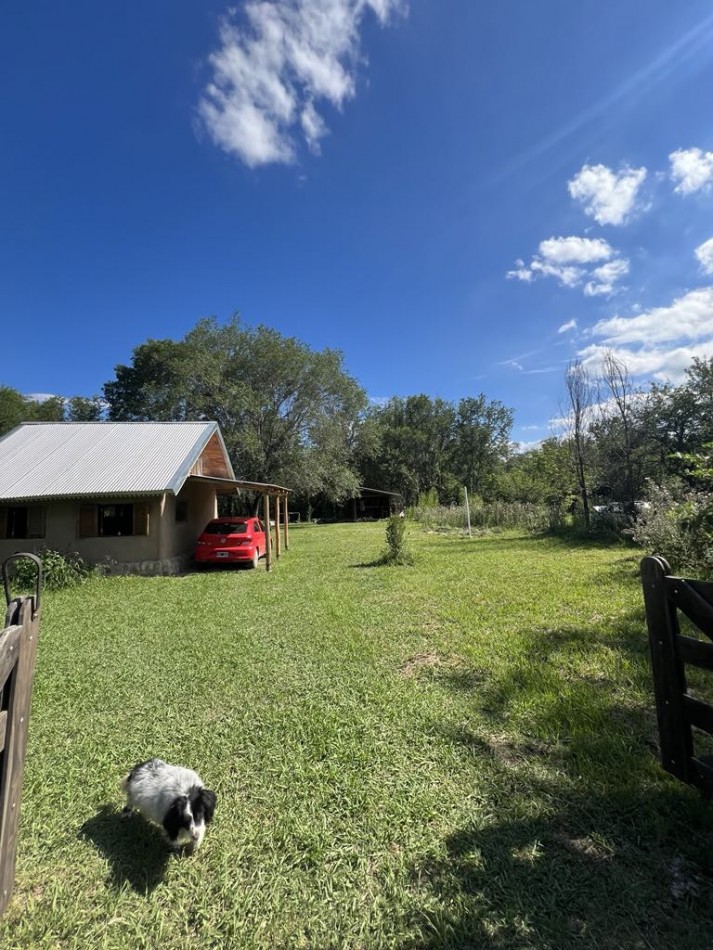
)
(679, 526)
(396, 552)
(58, 571)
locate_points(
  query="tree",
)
(542, 475)
(481, 442)
(418, 444)
(287, 413)
(679, 419)
(580, 403)
(83, 409)
(404, 446)
(16, 408)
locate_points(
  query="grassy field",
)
(454, 754)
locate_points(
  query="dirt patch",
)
(586, 847)
(420, 661)
(429, 661)
(514, 753)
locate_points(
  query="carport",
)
(274, 499)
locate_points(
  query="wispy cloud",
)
(566, 327)
(570, 260)
(691, 170)
(276, 65)
(608, 197)
(704, 255)
(694, 45)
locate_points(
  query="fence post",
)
(668, 670)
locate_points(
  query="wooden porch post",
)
(268, 532)
(287, 518)
(277, 525)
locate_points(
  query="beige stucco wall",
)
(179, 539)
(167, 547)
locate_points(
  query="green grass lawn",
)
(454, 754)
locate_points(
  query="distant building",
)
(373, 503)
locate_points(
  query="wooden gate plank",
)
(13, 756)
(669, 676)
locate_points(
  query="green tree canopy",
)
(287, 413)
(416, 444)
(16, 408)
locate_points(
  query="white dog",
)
(173, 797)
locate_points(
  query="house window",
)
(181, 512)
(113, 520)
(24, 522)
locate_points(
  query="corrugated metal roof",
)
(72, 459)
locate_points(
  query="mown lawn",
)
(454, 754)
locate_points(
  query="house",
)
(134, 495)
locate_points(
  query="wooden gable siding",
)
(212, 462)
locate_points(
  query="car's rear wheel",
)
(256, 558)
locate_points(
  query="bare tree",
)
(581, 401)
(620, 393)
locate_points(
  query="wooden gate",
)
(18, 651)
(677, 711)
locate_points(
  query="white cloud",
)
(691, 169)
(604, 278)
(704, 255)
(568, 250)
(520, 447)
(569, 325)
(657, 362)
(608, 197)
(660, 342)
(569, 260)
(688, 318)
(42, 397)
(269, 72)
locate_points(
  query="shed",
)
(374, 503)
(134, 495)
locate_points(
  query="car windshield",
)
(227, 527)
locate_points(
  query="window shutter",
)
(3, 522)
(87, 521)
(141, 517)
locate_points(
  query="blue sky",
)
(460, 195)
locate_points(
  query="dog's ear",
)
(174, 819)
(208, 800)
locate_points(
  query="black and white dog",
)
(173, 797)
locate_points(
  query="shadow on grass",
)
(136, 851)
(630, 869)
(582, 841)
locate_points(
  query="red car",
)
(227, 540)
